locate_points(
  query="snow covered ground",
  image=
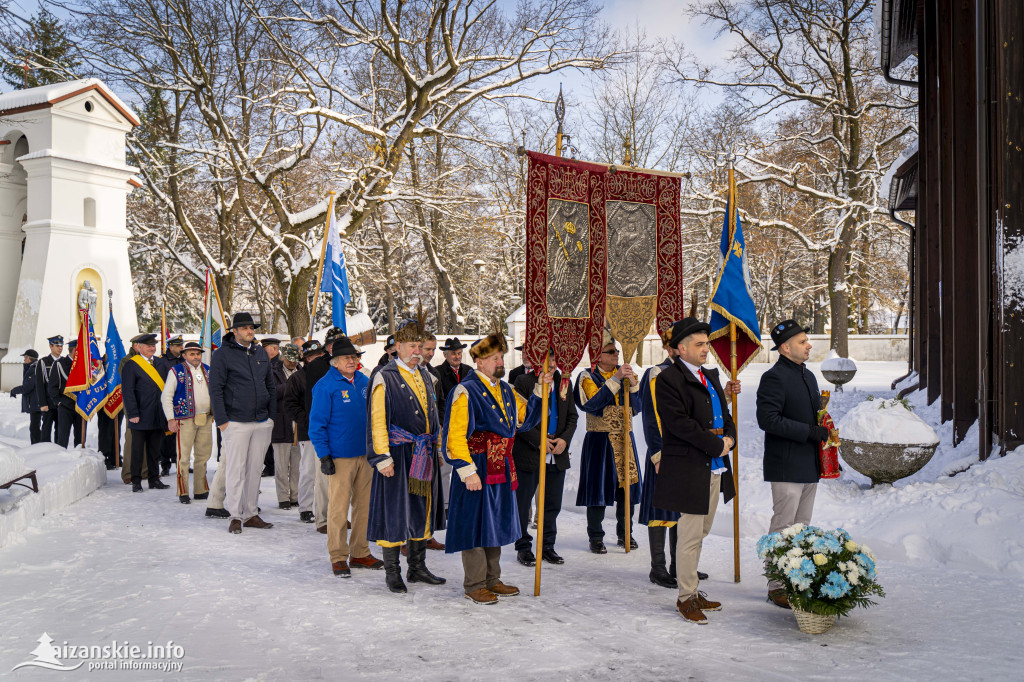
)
(263, 605)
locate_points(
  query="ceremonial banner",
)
(731, 301)
(645, 266)
(334, 278)
(565, 260)
(115, 353)
(88, 401)
(80, 374)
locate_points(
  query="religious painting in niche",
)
(632, 249)
(568, 259)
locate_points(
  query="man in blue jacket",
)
(337, 429)
(244, 400)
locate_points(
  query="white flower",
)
(792, 530)
(795, 553)
(865, 550)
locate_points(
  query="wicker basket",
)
(813, 623)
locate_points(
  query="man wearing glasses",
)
(599, 393)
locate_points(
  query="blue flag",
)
(88, 401)
(335, 278)
(115, 353)
(732, 302)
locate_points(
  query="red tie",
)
(704, 381)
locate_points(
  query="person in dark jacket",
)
(452, 370)
(519, 370)
(27, 391)
(526, 456)
(273, 348)
(286, 449)
(697, 434)
(244, 400)
(787, 411)
(389, 352)
(142, 383)
(169, 450)
(68, 419)
(295, 408)
(43, 368)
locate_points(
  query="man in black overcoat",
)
(142, 383)
(787, 411)
(526, 455)
(697, 434)
(453, 369)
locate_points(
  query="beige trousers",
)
(126, 459)
(791, 503)
(348, 488)
(286, 472)
(691, 531)
(312, 484)
(243, 447)
(481, 567)
(194, 442)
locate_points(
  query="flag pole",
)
(320, 271)
(735, 403)
(542, 454)
(88, 350)
(163, 331)
(220, 307)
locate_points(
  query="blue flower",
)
(866, 563)
(835, 586)
(831, 544)
(767, 543)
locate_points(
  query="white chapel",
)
(64, 184)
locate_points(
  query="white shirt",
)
(694, 369)
(200, 392)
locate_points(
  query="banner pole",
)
(320, 270)
(735, 402)
(545, 406)
(627, 459)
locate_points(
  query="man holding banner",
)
(142, 385)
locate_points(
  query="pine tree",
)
(49, 53)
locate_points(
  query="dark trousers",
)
(68, 420)
(107, 434)
(595, 518)
(169, 450)
(149, 441)
(46, 429)
(35, 420)
(528, 482)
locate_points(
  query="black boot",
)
(673, 536)
(418, 572)
(658, 575)
(393, 571)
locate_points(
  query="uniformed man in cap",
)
(697, 435)
(452, 370)
(27, 391)
(186, 405)
(787, 411)
(42, 377)
(68, 419)
(142, 384)
(389, 352)
(171, 358)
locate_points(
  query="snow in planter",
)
(833, 362)
(885, 421)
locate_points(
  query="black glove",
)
(818, 434)
(327, 465)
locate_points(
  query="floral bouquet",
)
(824, 571)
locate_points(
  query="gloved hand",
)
(327, 465)
(819, 434)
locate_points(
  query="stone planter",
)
(838, 377)
(883, 462)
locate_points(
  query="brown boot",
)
(690, 611)
(257, 522)
(235, 526)
(482, 596)
(502, 590)
(368, 561)
(779, 598)
(341, 569)
(322, 530)
(434, 544)
(706, 605)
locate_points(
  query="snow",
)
(905, 155)
(264, 605)
(1012, 273)
(53, 92)
(885, 421)
(833, 362)
(12, 464)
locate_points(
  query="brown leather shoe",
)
(707, 605)
(257, 522)
(322, 530)
(405, 550)
(779, 598)
(502, 590)
(235, 526)
(434, 544)
(690, 611)
(341, 569)
(482, 596)
(368, 561)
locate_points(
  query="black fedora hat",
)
(786, 330)
(453, 344)
(242, 320)
(343, 346)
(311, 346)
(684, 327)
(192, 345)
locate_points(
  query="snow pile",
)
(833, 362)
(11, 464)
(65, 476)
(1013, 274)
(885, 421)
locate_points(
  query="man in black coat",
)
(68, 418)
(452, 370)
(29, 398)
(389, 352)
(697, 434)
(519, 370)
(283, 441)
(43, 368)
(526, 455)
(787, 411)
(142, 383)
